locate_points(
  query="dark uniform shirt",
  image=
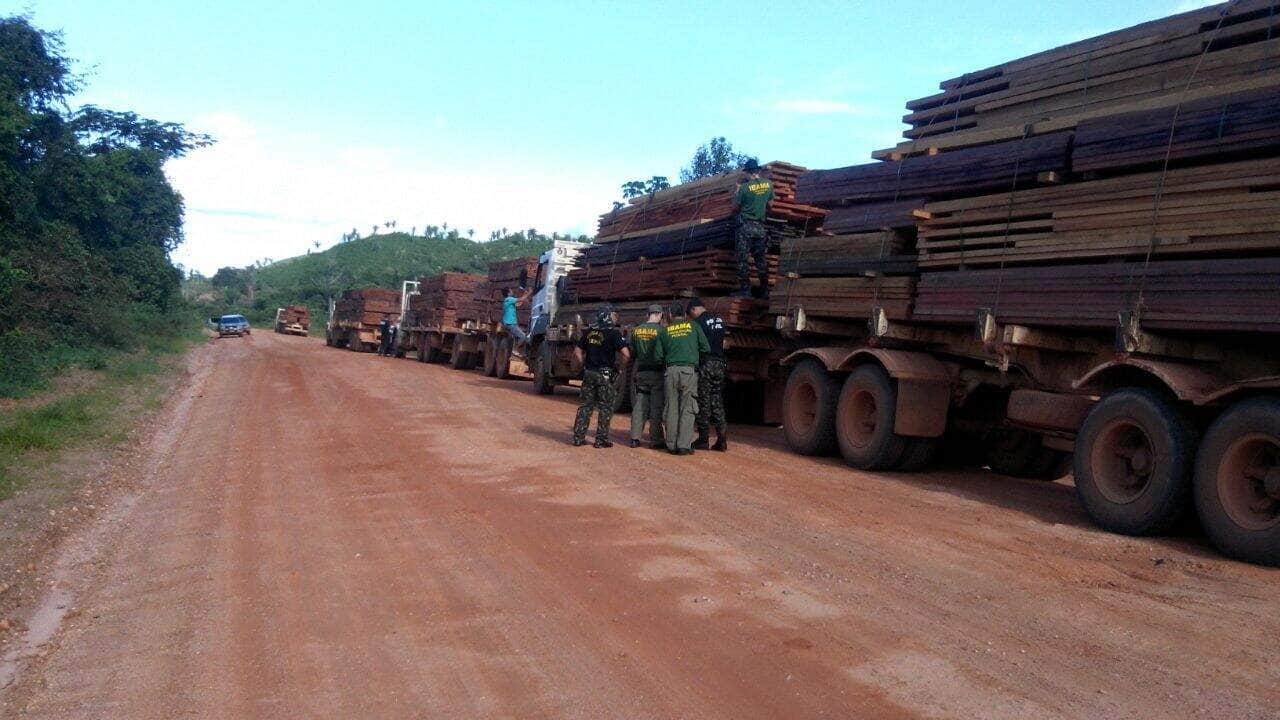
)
(644, 346)
(753, 198)
(601, 346)
(713, 328)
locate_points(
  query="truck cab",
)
(552, 267)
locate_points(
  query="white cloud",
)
(816, 107)
(1189, 5)
(253, 195)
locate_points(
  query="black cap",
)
(751, 165)
(695, 303)
(677, 309)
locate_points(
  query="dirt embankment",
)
(318, 533)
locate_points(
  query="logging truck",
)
(1152, 426)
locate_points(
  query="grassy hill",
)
(382, 260)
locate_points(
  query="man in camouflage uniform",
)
(751, 203)
(597, 353)
(712, 368)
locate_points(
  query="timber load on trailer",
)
(492, 343)
(293, 320)
(671, 245)
(356, 316)
(1071, 265)
(433, 325)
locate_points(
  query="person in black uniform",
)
(384, 337)
(712, 368)
(597, 352)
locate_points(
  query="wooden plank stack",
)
(486, 302)
(299, 314)
(706, 200)
(442, 298)
(1133, 173)
(366, 307)
(705, 271)
(1212, 51)
(1220, 295)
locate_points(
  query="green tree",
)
(712, 158)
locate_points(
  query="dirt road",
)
(328, 534)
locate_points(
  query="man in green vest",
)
(647, 381)
(680, 344)
(751, 204)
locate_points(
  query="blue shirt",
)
(509, 310)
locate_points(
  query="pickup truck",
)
(232, 325)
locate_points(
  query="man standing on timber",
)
(597, 352)
(751, 202)
(647, 381)
(711, 373)
(680, 344)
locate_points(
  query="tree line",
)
(87, 218)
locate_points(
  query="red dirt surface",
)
(330, 534)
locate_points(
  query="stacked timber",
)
(443, 298)
(486, 305)
(1222, 295)
(1217, 50)
(706, 200)
(296, 314)
(680, 241)
(366, 307)
(1136, 174)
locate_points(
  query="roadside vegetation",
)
(87, 221)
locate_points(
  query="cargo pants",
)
(647, 404)
(598, 395)
(682, 406)
(711, 395)
(751, 241)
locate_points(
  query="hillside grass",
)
(378, 260)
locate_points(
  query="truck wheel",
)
(502, 361)
(457, 358)
(1133, 463)
(1237, 481)
(488, 358)
(809, 409)
(864, 420)
(622, 392)
(543, 383)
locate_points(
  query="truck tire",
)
(622, 392)
(543, 383)
(1133, 463)
(1237, 481)
(809, 409)
(457, 358)
(488, 358)
(502, 360)
(864, 420)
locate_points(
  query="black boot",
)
(602, 444)
(702, 441)
(722, 444)
(579, 442)
(635, 443)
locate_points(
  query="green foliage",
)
(87, 217)
(636, 188)
(376, 260)
(715, 157)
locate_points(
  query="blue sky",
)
(521, 114)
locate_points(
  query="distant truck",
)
(232, 326)
(354, 318)
(293, 320)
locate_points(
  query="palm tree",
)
(471, 234)
(375, 230)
